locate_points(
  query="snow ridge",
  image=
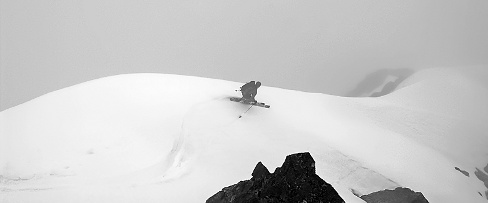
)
(149, 137)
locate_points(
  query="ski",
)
(240, 100)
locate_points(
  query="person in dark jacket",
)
(250, 90)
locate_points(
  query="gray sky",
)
(317, 46)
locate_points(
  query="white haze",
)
(323, 46)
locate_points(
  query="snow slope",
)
(170, 138)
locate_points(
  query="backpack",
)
(247, 86)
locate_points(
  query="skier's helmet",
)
(258, 84)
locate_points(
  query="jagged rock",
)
(399, 195)
(294, 181)
(482, 176)
(486, 168)
(462, 171)
(260, 171)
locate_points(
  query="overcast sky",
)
(316, 46)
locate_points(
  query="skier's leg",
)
(243, 92)
(254, 95)
(246, 95)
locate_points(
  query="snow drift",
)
(171, 138)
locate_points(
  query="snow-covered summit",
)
(170, 138)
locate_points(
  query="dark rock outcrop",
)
(462, 171)
(294, 181)
(484, 178)
(260, 171)
(399, 195)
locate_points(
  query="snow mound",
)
(170, 138)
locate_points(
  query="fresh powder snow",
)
(172, 138)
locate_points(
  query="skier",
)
(250, 90)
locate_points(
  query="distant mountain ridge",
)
(380, 82)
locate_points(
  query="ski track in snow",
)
(185, 149)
